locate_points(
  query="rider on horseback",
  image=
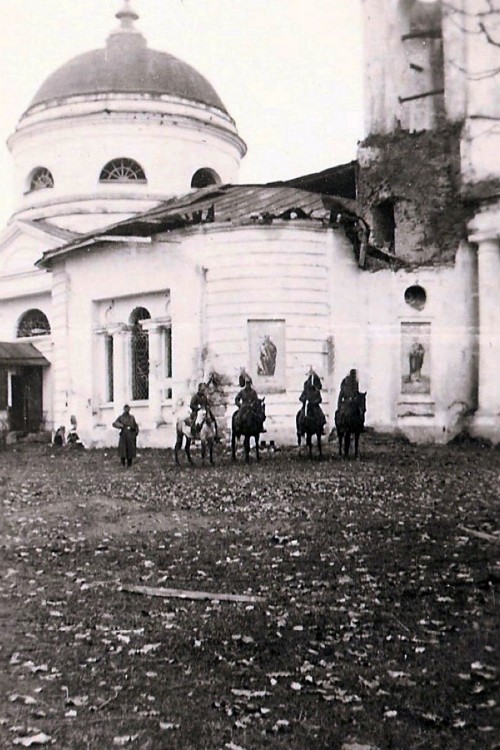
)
(349, 388)
(311, 399)
(199, 401)
(245, 399)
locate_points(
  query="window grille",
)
(122, 170)
(3, 388)
(41, 178)
(140, 355)
(110, 394)
(33, 323)
(168, 352)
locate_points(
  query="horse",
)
(350, 420)
(204, 431)
(249, 423)
(309, 423)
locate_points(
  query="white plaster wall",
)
(298, 273)
(211, 280)
(451, 311)
(131, 275)
(388, 75)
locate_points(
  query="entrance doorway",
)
(27, 400)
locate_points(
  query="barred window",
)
(168, 352)
(140, 355)
(3, 388)
(33, 323)
(122, 170)
(110, 394)
(41, 178)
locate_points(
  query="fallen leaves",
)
(376, 611)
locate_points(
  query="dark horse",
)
(310, 422)
(350, 420)
(249, 422)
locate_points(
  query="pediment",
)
(22, 243)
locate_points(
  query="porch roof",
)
(21, 353)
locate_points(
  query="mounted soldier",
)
(311, 399)
(199, 401)
(249, 419)
(310, 420)
(245, 399)
(349, 389)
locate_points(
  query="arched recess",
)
(122, 169)
(139, 354)
(33, 323)
(205, 177)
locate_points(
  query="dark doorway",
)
(27, 400)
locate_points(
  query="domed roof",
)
(127, 66)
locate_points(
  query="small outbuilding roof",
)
(21, 353)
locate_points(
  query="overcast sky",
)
(288, 71)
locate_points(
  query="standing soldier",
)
(129, 429)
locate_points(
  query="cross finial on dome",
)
(126, 15)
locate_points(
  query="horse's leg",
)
(211, 451)
(356, 444)
(347, 443)
(178, 446)
(187, 448)
(233, 445)
(340, 437)
(203, 451)
(257, 449)
(309, 444)
(320, 447)
(246, 445)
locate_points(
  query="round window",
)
(416, 297)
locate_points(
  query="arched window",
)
(41, 178)
(122, 170)
(33, 323)
(204, 177)
(139, 355)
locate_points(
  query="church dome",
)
(126, 66)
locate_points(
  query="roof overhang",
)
(21, 353)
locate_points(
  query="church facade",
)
(135, 266)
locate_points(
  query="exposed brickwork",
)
(420, 174)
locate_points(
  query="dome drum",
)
(129, 102)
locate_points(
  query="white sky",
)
(288, 71)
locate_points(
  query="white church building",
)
(135, 266)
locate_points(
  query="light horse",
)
(204, 431)
(350, 420)
(250, 424)
(310, 422)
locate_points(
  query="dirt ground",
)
(374, 625)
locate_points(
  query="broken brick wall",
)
(417, 175)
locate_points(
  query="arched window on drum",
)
(122, 170)
(205, 177)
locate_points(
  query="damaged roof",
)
(232, 204)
